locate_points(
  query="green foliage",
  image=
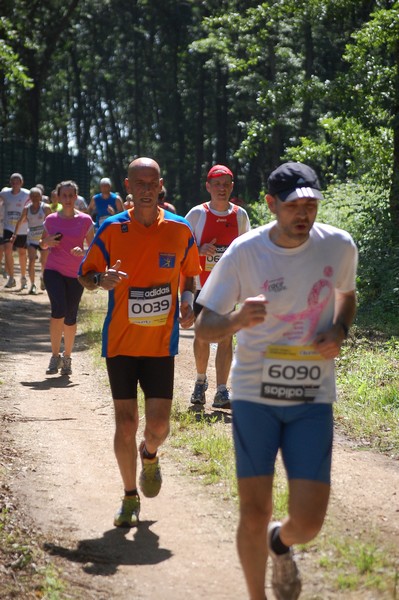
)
(240, 82)
(359, 564)
(210, 447)
(27, 572)
(259, 212)
(373, 417)
(382, 30)
(363, 210)
(347, 148)
(12, 70)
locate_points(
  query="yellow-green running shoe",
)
(150, 479)
(128, 514)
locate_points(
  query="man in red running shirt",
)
(215, 225)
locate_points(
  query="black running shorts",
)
(19, 242)
(154, 374)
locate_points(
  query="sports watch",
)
(97, 279)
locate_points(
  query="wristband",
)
(188, 297)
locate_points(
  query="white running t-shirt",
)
(274, 362)
(14, 205)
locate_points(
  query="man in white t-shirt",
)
(215, 225)
(295, 282)
(15, 200)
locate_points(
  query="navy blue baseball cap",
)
(293, 180)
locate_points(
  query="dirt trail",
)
(61, 430)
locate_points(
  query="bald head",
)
(144, 182)
(143, 162)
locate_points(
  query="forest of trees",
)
(194, 82)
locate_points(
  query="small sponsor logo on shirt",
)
(167, 261)
(289, 392)
(276, 285)
(124, 228)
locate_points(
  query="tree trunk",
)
(221, 115)
(308, 68)
(394, 192)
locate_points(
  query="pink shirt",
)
(74, 232)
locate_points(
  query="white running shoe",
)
(286, 580)
(24, 283)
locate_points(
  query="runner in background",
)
(34, 214)
(65, 234)
(104, 204)
(215, 224)
(55, 204)
(2, 207)
(15, 199)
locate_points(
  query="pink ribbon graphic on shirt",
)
(314, 310)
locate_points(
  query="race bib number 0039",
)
(292, 373)
(149, 307)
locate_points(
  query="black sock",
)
(147, 454)
(131, 492)
(277, 545)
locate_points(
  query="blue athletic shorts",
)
(303, 433)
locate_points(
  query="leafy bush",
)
(363, 211)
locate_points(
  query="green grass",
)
(25, 565)
(210, 448)
(354, 564)
(368, 385)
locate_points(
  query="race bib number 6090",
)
(292, 373)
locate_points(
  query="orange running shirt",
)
(143, 310)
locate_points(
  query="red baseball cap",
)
(219, 171)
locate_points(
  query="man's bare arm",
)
(329, 343)
(213, 327)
